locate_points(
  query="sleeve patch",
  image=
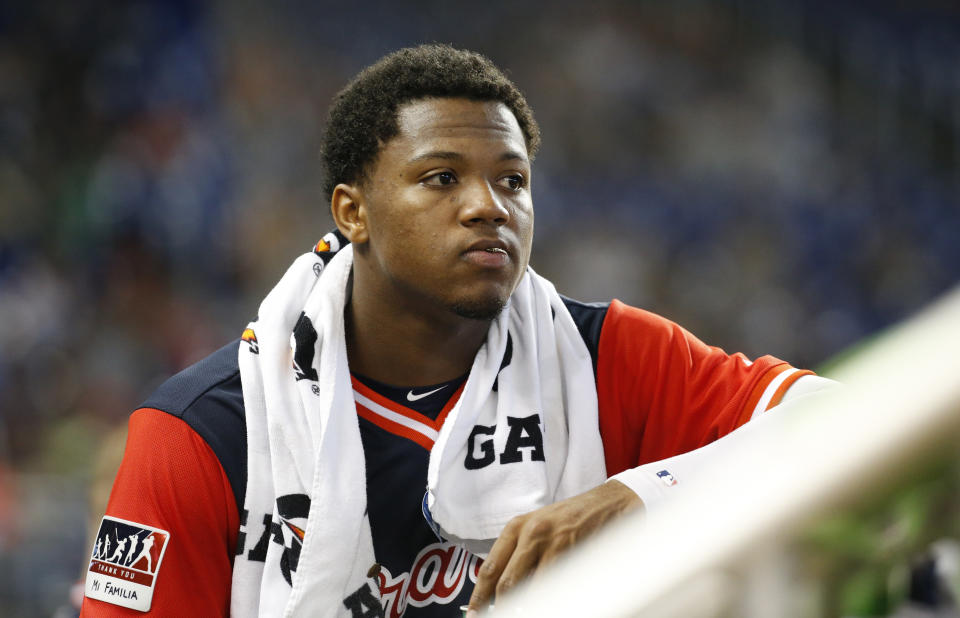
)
(124, 563)
(667, 478)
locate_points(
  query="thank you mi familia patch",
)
(124, 564)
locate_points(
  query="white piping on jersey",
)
(770, 390)
(396, 417)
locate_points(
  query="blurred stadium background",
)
(779, 176)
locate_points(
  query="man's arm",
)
(662, 392)
(654, 482)
(170, 479)
(532, 541)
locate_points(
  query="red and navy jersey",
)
(420, 574)
(661, 392)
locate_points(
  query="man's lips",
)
(488, 254)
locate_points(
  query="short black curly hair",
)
(363, 116)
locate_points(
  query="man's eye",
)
(440, 179)
(514, 182)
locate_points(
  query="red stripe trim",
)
(391, 405)
(447, 407)
(394, 428)
(787, 383)
(747, 411)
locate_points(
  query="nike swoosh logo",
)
(412, 397)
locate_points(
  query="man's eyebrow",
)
(450, 155)
(510, 155)
(438, 154)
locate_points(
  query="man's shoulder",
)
(589, 318)
(208, 396)
(619, 323)
(215, 379)
(582, 311)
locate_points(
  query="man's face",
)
(449, 213)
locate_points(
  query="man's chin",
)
(484, 309)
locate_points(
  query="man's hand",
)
(531, 541)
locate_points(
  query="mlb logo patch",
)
(124, 563)
(667, 478)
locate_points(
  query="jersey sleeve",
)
(663, 392)
(170, 479)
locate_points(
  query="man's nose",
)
(481, 204)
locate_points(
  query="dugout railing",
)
(740, 540)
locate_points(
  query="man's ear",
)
(349, 211)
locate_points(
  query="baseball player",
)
(416, 420)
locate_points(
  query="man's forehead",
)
(441, 118)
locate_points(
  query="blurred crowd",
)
(780, 177)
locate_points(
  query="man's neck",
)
(408, 347)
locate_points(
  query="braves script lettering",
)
(437, 576)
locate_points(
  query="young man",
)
(417, 400)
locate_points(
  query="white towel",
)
(304, 450)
